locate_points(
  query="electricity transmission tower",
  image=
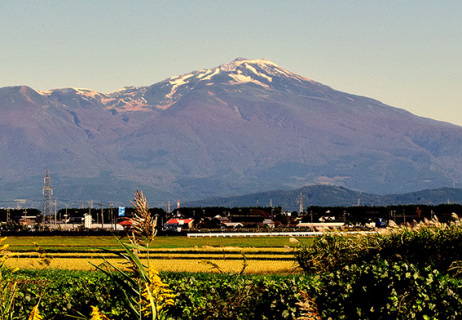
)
(300, 201)
(47, 193)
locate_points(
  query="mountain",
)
(324, 195)
(242, 127)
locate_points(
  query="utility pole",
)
(90, 206)
(112, 217)
(55, 210)
(102, 215)
(7, 215)
(65, 215)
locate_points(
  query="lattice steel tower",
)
(300, 201)
(47, 193)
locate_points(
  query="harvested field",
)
(262, 255)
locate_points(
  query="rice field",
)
(171, 265)
(175, 254)
(95, 242)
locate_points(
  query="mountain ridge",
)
(332, 196)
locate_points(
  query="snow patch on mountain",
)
(248, 66)
(80, 91)
(240, 78)
(135, 105)
(235, 64)
(86, 92)
(126, 90)
(210, 73)
(176, 82)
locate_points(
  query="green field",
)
(108, 242)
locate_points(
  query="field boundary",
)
(254, 234)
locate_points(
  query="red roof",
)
(126, 223)
(177, 221)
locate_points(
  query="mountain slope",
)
(241, 127)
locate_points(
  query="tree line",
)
(351, 214)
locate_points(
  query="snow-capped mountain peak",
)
(236, 63)
(259, 68)
(240, 70)
(162, 95)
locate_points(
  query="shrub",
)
(220, 296)
(388, 290)
(427, 243)
(61, 293)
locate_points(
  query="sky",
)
(407, 54)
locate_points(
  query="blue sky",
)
(407, 54)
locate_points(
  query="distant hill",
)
(240, 128)
(323, 195)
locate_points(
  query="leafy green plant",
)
(388, 290)
(67, 294)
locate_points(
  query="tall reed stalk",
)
(145, 295)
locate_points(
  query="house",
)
(315, 225)
(177, 224)
(233, 225)
(268, 223)
(28, 221)
(220, 220)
